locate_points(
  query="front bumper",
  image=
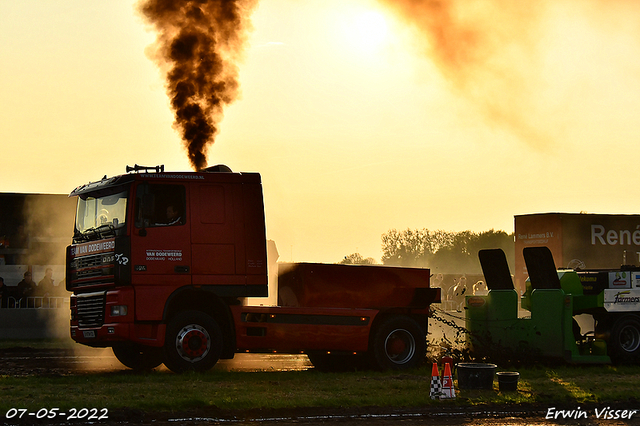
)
(148, 334)
(104, 318)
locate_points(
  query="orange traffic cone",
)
(447, 384)
(436, 387)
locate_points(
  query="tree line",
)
(446, 252)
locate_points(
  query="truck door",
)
(160, 246)
(218, 241)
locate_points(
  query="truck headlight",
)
(119, 310)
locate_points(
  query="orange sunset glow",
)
(361, 115)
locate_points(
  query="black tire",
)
(624, 342)
(331, 362)
(138, 357)
(399, 343)
(193, 342)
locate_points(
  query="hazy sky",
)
(359, 118)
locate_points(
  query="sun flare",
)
(367, 31)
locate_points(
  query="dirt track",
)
(26, 361)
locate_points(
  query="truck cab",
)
(148, 244)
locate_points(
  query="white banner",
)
(622, 300)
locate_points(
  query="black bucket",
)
(475, 375)
(508, 381)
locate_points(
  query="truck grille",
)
(89, 261)
(90, 309)
(92, 269)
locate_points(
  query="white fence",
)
(40, 302)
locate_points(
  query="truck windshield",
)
(100, 216)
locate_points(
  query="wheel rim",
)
(630, 338)
(193, 342)
(400, 346)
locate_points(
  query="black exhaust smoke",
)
(199, 43)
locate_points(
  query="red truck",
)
(161, 264)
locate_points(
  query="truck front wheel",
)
(625, 339)
(193, 342)
(399, 343)
(138, 357)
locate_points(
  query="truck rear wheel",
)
(625, 339)
(138, 357)
(193, 342)
(399, 343)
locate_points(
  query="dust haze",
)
(35, 230)
(49, 223)
(540, 70)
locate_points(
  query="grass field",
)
(163, 391)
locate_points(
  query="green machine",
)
(552, 299)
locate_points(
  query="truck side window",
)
(160, 205)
